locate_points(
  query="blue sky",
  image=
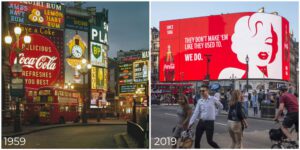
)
(175, 10)
(128, 25)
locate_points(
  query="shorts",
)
(290, 119)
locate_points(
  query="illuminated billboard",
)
(99, 78)
(41, 60)
(37, 13)
(99, 54)
(132, 88)
(77, 23)
(186, 45)
(140, 71)
(126, 73)
(75, 50)
(99, 45)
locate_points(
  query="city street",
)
(256, 136)
(74, 137)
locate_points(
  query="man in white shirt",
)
(206, 111)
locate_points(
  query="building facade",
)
(154, 54)
(294, 60)
(133, 81)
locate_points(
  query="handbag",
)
(186, 139)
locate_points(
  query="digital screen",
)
(219, 45)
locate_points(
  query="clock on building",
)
(77, 51)
(77, 48)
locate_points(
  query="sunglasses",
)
(202, 91)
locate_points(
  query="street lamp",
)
(116, 105)
(207, 78)
(17, 71)
(247, 61)
(182, 77)
(134, 108)
(233, 79)
(83, 69)
(69, 86)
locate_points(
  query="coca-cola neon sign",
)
(43, 62)
(40, 61)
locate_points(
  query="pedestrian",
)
(245, 100)
(249, 99)
(217, 96)
(228, 95)
(191, 100)
(268, 99)
(184, 113)
(196, 98)
(290, 103)
(254, 100)
(224, 101)
(260, 98)
(236, 119)
(206, 111)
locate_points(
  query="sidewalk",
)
(8, 131)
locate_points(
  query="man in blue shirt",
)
(206, 111)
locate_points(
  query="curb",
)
(266, 119)
(58, 126)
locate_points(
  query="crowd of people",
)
(236, 103)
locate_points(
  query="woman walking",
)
(236, 119)
(184, 114)
(254, 100)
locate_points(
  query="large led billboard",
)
(226, 40)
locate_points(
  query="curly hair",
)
(246, 28)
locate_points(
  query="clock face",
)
(76, 51)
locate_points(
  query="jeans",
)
(246, 108)
(208, 127)
(255, 110)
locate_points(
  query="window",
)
(67, 109)
(30, 93)
(72, 108)
(50, 99)
(44, 92)
(61, 108)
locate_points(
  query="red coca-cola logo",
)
(40, 61)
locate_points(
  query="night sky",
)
(128, 25)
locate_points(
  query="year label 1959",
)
(14, 141)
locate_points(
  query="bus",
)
(163, 92)
(30, 114)
(57, 105)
